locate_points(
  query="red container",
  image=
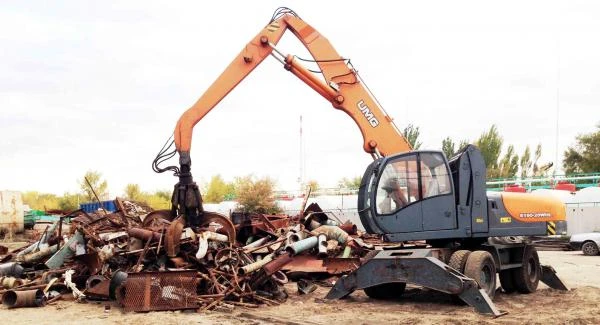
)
(565, 186)
(515, 188)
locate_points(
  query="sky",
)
(100, 85)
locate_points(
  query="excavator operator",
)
(394, 194)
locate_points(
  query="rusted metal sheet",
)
(305, 263)
(338, 265)
(257, 223)
(153, 291)
(97, 287)
(312, 264)
(173, 238)
(350, 228)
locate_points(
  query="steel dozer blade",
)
(552, 280)
(418, 267)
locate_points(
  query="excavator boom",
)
(340, 85)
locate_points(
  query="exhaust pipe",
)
(27, 298)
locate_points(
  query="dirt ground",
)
(581, 305)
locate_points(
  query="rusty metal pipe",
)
(10, 282)
(277, 264)
(256, 265)
(28, 298)
(42, 240)
(11, 269)
(347, 251)
(301, 246)
(143, 234)
(203, 239)
(270, 245)
(333, 232)
(256, 243)
(322, 245)
(32, 257)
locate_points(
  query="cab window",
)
(435, 179)
(398, 185)
(411, 178)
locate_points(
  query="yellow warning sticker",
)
(479, 220)
(505, 220)
(551, 227)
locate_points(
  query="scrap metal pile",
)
(149, 260)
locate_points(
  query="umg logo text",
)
(367, 113)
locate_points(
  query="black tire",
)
(590, 248)
(507, 282)
(480, 267)
(458, 260)
(386, 291)
(527, 277)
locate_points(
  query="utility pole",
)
(301, 162)
(556, 162)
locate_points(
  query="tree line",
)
(256, 194)
(582, 157)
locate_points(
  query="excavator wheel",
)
(480, 267)
(386, 291)
(507, 281)
(458, 260)
(527, 277)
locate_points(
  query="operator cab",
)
(407, 193)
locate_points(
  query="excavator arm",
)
(341, 87)
(339, 84)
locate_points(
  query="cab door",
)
(411, 192)
(397, 199)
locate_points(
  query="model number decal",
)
(367, 113)
(536, 215)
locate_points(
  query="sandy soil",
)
(417, 306)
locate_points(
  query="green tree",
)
(40, 201)
(99, 185)
(314, 185)
(218, 190)
(490, 144)
(158, 200)
(411, 133)
(584, 156)
(256, 195)
(530, 166)
(350, 183)
(68, 202)
(449, 148)
(164, 194)
(507, 166)
(525, 163)
(133, 192)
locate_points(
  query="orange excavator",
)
(404, 194)
(339, 84)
